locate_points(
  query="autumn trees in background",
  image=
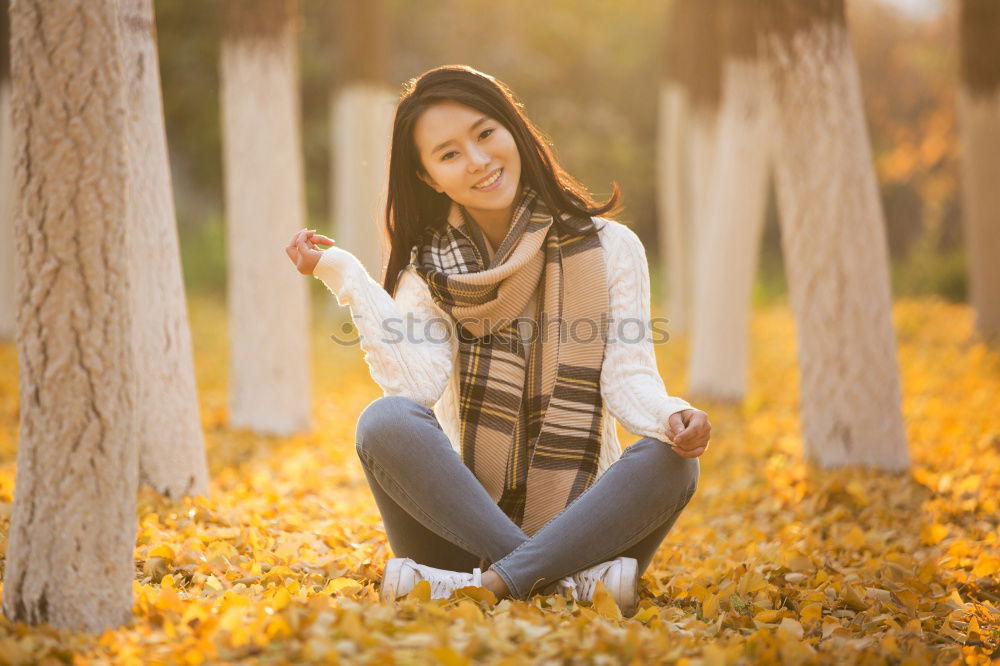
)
(689, 100)
(833, 238)
(729, 230)
(789, 97)
(361, 111)
(979, 132)
(265, 204)
(168, 420)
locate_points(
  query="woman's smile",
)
(491, 182)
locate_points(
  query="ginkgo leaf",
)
(448, 657)
(710, 607)
(604, 603)
(480, 594)
(986, 565)
(791, 628)
(768, 616)
(811, 613)
(420, 592)
(855, 538)
(340, 584)
(163, 551)
(168, 600)
(646, 614)
(933, 534)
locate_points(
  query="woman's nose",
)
(478, 159)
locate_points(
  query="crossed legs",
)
(436, 512)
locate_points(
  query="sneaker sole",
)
(628, 586)
(390, 580)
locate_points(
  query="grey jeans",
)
(437, 513)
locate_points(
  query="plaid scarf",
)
(530, 419)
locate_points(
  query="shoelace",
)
(581, 586)
(444, 583)
(566, 587)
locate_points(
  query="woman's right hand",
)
(303, 252)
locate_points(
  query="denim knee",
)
(683, 472)
(384, 422)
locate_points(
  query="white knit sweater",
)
(421, 365)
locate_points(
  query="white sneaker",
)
(402, 574)
(620, 576)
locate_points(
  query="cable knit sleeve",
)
(406, 341)
(631, 386)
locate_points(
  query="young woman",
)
(511, 330)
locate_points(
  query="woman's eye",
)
(485, 133)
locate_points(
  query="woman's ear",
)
(430, 181)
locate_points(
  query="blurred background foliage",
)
(588, 73)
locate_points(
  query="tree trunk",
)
(265, 206)
(979, 135)
(8, 300)
(833, 238)
(693, 66)
(361, 115)
(673, 200)
(704, 128)
(732, 221)
(168, 424)
(70, 551)
(734, 213)
(361, 127)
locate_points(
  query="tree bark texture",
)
(730, 243)
(265, 205)
(8, 260)
(834, 244)
(979, 137)
(168, 421)
(8, 299)
(70, 551)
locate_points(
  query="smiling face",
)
(463, 151)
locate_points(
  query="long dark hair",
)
(412, 205)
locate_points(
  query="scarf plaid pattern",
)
(530, 419)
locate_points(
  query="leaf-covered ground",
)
(771, 561)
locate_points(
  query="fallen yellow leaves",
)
(772, 561)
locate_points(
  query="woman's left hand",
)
(304, 250)
(689, 429)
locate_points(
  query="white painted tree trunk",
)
(8, 299)
(72, 536)
(168, 423)
(265, 206)
(833, 237)
(673, 196)
(704, 128)
(360, 130)
(979, 133)
(732, 226)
